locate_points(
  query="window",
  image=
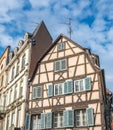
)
(23, 61)
(60, 65)
(19, 118)
(80, 118)
(82, 85)
(17, 69)
(2, 80)
(61, 46)
(36, 122)
(84, 117)
(13, 72)
(7, 122)
(58, 120)
(21, 88)
(13, 119)
(10, 97)
(37, 92)
(15, 93)
(59, 89)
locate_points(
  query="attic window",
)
(61, 46)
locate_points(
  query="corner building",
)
(67, 90)
(3, 64)
(21, 62)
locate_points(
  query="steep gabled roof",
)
(52, 45)
(37, 29)
(41, 40)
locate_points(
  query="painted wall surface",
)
(79, 66)
(16, 87)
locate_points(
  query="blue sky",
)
(92, 24)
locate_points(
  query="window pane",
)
(57, 65)
(76, 86)
(81, 85)
(58, 120)
(80, 117)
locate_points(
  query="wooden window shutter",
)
(50, 90)
(38, 92)
(49, 120)
(63, 64)
(34, 93)
(87, 83)
(70, 86)
(43, 121)
(68, 118)
(57, 66)
(90, 116)
(65, 87)
(27, 122)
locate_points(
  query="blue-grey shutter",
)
(57, 65)
(68, 118)
(49, 120)
(50, 90)
(70, 86)
(34, 93)
(27, 122)
(87, 83)
(39, 91)
(90, 116)
(43, 116)
(63, 64)
(65, 87)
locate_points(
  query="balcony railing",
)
(2, 110)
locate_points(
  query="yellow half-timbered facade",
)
(67, 89)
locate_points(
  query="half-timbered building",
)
(67, 89)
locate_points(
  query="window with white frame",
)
(23, 61)
(18, 66)
(60, 65)
(37, 92)
(36, 122)
(61, 46)
(13, 119)
(80, 118)
(58, 120)
(15, 93)
(59, 89)
(84, 117)
(19, 118)
(21, 88)
(13, 72)
(8, 120)
(82, 84)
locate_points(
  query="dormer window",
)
(61, 46)
(21, 42)
(15, 50)
(11, 55)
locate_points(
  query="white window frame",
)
(61, 46)
(80, 87)
(60, 87)
(58, 120)
(60, 65)
(80, 115)
(35, 91)
(36, 123)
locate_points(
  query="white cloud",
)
(98, 36)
